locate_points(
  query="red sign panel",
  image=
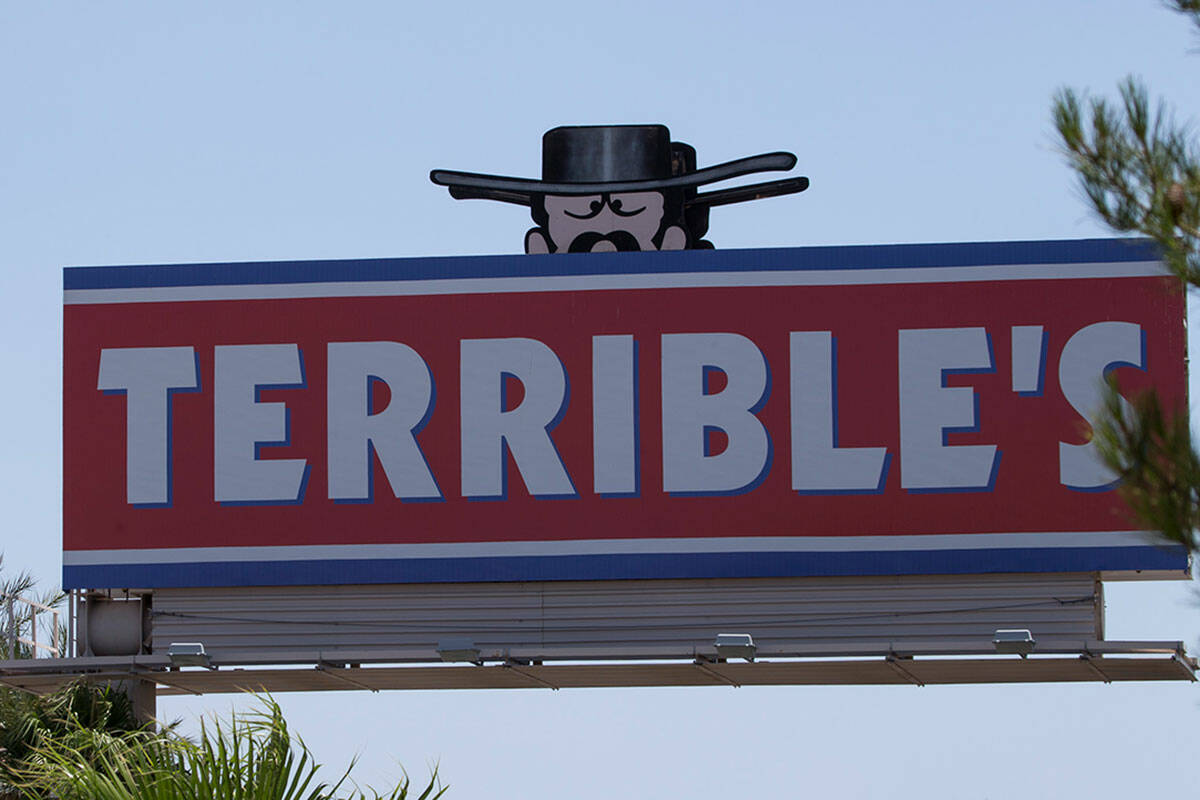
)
(815, 411)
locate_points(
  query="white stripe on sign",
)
(583, 547)
(582, 283)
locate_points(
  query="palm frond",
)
(252, 756)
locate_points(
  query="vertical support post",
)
(12, 627)
(142, 694)
(83, 645)
(144, 697)
(116, 628)
(69, 648)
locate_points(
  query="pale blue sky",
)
(176, 132)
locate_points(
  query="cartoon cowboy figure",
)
(621, 187)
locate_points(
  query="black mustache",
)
(622, 240)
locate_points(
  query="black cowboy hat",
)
(600, 159)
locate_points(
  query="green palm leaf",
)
(251, 757)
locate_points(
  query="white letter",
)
(487, 427)
(355, 429)
(241, 424)
(818, 464)
(929, 410)
(687, 411)
(1028, 358)
(147, 376)
(1086, 358)
(614, 425)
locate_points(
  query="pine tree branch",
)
(1140, 172)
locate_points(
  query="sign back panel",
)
(906, 409)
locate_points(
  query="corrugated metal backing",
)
(620, 618)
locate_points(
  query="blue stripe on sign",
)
(1079, 251)
(620, 567)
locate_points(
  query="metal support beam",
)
(702, 665)
(517, 669)
(1187, 666)
(16, 685)
(157, 677)
(1090, 660)
(1127, 661)
(340, 674)
(893, 661)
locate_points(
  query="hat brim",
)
(464, 185)
(753, 191)
(719, 197)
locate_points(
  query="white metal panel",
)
(615, 619)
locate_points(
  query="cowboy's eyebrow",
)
(595, 207)
(616, 207)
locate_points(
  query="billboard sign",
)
(902, 409)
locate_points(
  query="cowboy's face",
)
(609, 222)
